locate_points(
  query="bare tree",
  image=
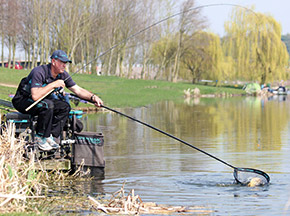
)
(189, 22)
(13, 28)
(3, 8)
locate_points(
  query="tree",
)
(164, 54)
(203, 56)
(253, 41)
(148, 12)
(3, 8)
(189, 21)
(286, 40)
(13, 28)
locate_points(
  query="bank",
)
(122, 92)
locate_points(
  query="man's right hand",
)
(58, 84)
(37, 93)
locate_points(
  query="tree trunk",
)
(177, 59)
(13, 50)
(2, 48)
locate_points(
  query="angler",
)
(52, 110)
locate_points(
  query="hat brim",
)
(63, 59)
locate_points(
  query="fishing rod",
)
(6, 103)
(5, 109)
(137, 33)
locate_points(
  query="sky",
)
(217, 15)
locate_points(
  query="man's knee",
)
(67, 107)
(46, 104)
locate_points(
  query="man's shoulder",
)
(38, 72)
(38, 69)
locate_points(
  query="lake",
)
(243, 131)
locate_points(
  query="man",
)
(52, 113)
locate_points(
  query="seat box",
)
(21, 121)
(89, 148)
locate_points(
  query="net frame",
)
(244, 175)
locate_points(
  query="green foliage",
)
(203, 57)
(10, 171)
(32, 174)
(163, 53)
(253, 45)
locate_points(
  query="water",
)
(243, 131)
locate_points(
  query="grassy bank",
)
(121, 92)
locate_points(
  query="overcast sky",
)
(217, 15)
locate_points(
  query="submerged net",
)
(251, 177)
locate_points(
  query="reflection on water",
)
(243, 131)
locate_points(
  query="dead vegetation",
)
(24, 182)
(19, 181)
(131, 204)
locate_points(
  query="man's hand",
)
(96, 100)
(58, 84)
(37, 93)
(86, 95)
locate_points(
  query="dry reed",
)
(131, 204)
(19, 180)
(24, 182)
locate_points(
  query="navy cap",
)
(61, 55)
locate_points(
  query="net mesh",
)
(251, 177)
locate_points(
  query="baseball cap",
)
(61, 55)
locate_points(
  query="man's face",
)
(59, 65)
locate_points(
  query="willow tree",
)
(163, 55)
(203, 57)
(253, 45)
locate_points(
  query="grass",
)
(121, 92)
(6, 91)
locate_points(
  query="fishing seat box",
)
(21, 121)
(88, 149)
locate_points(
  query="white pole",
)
(36, 102)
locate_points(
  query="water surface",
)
(243, 131)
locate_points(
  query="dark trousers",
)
(52, 115)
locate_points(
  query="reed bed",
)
(24, 183)
(19, 180)
(130, 204)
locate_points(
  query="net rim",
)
(251, 170)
